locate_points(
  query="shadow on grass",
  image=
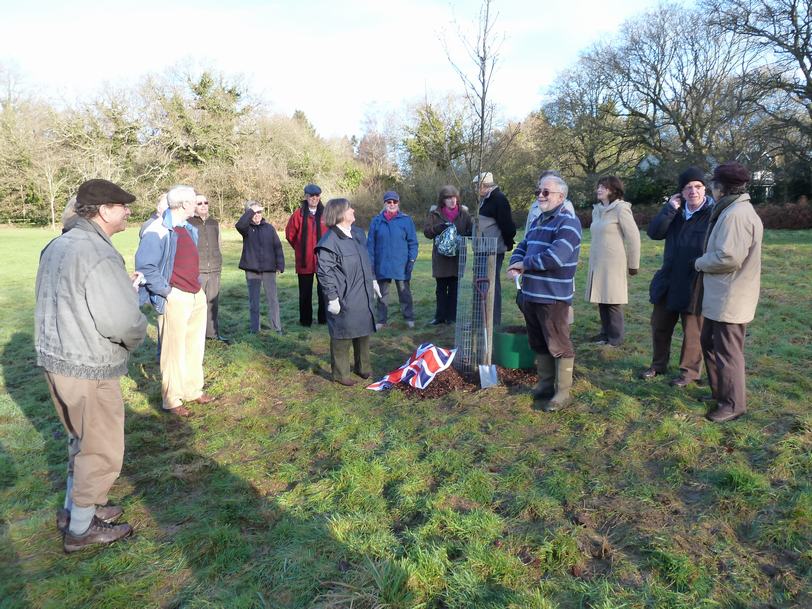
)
(203, 533)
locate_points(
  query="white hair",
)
(558, 181)
(180, 194)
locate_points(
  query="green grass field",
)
(292, 491)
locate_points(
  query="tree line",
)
(727, 79)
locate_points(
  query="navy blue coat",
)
(344, 272)
(261, 247)
(392, 246)
(684, 243)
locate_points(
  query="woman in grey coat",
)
(345, 275)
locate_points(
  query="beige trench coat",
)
(732, 264)
(615, 249)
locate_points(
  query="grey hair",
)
(251, 203)
(334, 211)
(547, 173)
(559, 181)
(180, 194)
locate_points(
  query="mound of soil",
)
(451, 380)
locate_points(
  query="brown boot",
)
(563, 384)
(99, 533)
(107, 513)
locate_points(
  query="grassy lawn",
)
(292, 491)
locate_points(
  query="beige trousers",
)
(183, 340)
(93, 415)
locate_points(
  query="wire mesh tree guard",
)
(473, 335)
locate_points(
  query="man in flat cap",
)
(169, 260)
(87, 322)
(303, 231)
(731, 279)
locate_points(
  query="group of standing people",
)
(709, 280)
(88, 317)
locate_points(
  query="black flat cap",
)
(102, 192)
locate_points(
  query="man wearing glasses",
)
(547, 259)
(86, 324)
(211, 263)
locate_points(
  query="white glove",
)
(334, 307)
(376, 289)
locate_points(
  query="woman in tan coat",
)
(614, 251)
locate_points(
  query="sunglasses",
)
(203, 203)
(392, 202)
(544, 192)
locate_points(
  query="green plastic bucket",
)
(512, 350)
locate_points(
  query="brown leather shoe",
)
(204, 398)
(723, 416)
(99, 533)
(106, 513)
(179, 411)
(345, 382)
(680, 381)
(364, 375)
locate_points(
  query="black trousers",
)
(663, 322)
(612, 329)
(306, 300)
(446, 294)
(723, 348)
(548, 328)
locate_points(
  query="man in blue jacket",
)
(547, 259)
(168, 258)
(392, 246)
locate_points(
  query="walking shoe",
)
(410, 323)
(107, 513)
(179, 411)
(723, 415)
(380, 327)
(648, 373)
(599, 339)
(345, 382)
(364, 375)
(204, 398)
(680, 381)
(436, 322)
(99, 532)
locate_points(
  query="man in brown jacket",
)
(731, 277)
(211, 263)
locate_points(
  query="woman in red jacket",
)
(303, 232)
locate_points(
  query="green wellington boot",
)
(544, 389)
(563, 384)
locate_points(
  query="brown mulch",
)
(451, 380)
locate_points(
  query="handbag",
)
(446, 242)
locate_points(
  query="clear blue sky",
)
(337, 61)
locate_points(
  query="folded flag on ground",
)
(420, 369)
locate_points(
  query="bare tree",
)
(484, 54)
(679, 82)
(782, 31)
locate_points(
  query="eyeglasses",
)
(544, 192)
(392, 202)
(203, 203)
(258, 213)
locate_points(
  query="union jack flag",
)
(420, 369)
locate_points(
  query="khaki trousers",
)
(183, 341)
(340, 356)
(92, 412)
